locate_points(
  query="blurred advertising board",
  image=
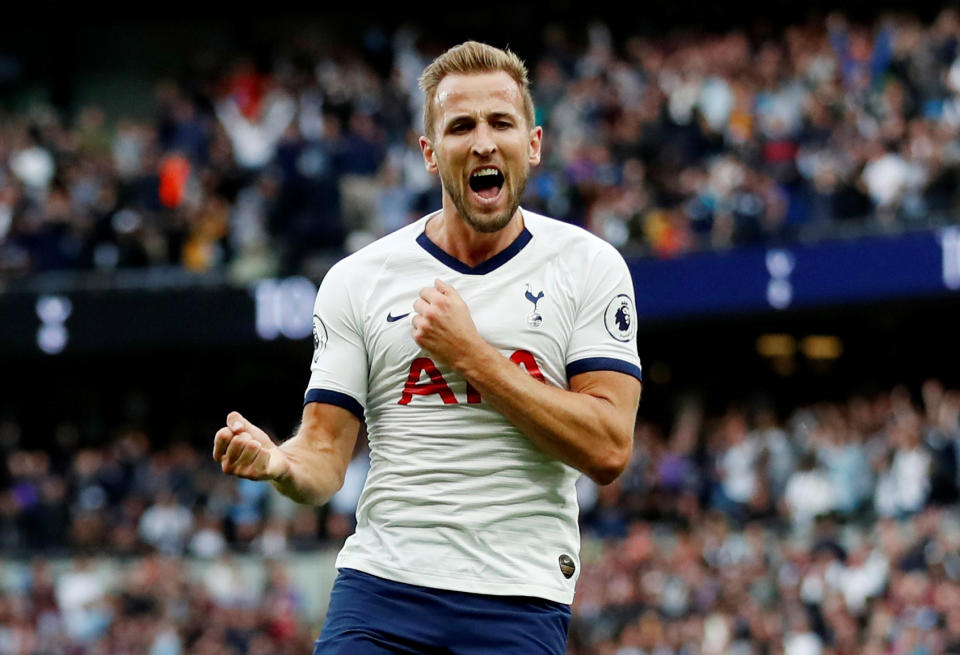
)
(196, 313)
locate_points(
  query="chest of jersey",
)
(526, 312)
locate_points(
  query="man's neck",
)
(457, 238)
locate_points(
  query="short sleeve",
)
(605, 329)
(338, 370)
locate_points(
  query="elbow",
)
(606, 470)
(331, 487)
(320, 494)
(604, 475)
(338, 481)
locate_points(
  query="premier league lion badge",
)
(319, 337)
(619, 318)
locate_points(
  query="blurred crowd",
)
(660, 144)
(127, 499)
(132, 550)
(154, 606)
(831, 529)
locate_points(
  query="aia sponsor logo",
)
(425, 379)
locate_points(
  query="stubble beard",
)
(492, 224)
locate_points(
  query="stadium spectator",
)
(809, 493)
(738, 482)
(166, 524)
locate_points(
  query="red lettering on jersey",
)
(473, 396)
(525, 359)
(437, 384)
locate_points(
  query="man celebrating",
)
(493, 354)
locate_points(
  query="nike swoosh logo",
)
(391, 318)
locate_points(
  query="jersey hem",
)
(334, 398)
(454, 582)
(603, 364)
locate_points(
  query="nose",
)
(483, 142)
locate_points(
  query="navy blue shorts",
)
(372, 616)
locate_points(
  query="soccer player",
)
(492, 352)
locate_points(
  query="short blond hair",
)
(473, 57)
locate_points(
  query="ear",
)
(429, 155)
(536, 140)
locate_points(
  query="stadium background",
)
(116, 376)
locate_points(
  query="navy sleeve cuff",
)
(334, 398)
(603, 364)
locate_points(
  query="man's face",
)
(482, 147)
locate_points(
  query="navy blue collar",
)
(482, 268)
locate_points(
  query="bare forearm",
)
(312, 474)
(308, 468)
(586, 431)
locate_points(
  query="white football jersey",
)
(457, 498)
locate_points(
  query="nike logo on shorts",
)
(391, 318)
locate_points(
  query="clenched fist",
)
(244, 450)
(442, 324)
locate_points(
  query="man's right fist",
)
(244, 450)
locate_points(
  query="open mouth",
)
(487, 182)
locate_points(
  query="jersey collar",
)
(483, 267)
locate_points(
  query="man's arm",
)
(589, 427)
(309, 467)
